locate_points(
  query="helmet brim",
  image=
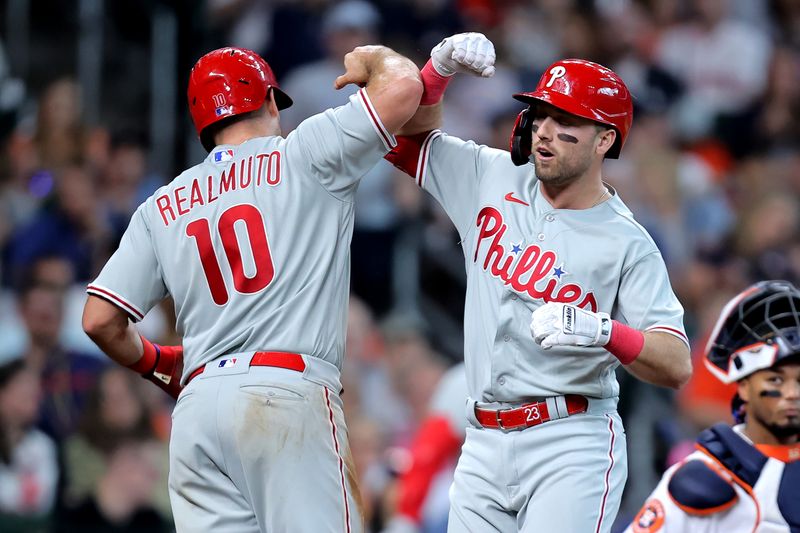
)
(282, 100)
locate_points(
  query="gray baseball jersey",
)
(567, 474)
(253, 243)
(520, 252)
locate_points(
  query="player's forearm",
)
(427, 118)
(664, 361)
(110, 329)
(393, 85)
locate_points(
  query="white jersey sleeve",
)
(132, 278)
(339, 145)
(451, 170)
(646, 301)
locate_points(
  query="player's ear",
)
(605, 140)
(270, 105)
(744, 389)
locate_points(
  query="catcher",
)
(745, 477)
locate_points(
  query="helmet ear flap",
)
(521, 138)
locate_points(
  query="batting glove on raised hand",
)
(471, 53)
(558, 324)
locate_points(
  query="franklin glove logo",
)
(569, 319)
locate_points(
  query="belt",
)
(289, 361)
(530, 414)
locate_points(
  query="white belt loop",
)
(552, 407)
(469, 408)
(561, 406)
(557, 407)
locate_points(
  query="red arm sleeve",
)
(406, 154)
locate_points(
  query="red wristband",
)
(625, 343)
(147, 363)
(433, 84)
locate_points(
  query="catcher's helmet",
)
(581, 88)
(756, 329)
(229, 82)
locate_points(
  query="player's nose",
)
(544, 128)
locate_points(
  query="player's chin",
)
(786, 426)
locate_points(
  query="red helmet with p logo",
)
(584, 89)
(228, 82)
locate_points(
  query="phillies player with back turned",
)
(252, 245)
(562, 286)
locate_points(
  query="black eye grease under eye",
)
(567, 138)
(770, 394)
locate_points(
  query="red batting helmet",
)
(229, 82)
(581, 88)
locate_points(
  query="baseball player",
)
(252, 245)
(562, 286)
(745, 477)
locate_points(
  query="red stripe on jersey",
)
(608, 474)
(678, 333)
(387, 138)
(114, 299)
(341, 463)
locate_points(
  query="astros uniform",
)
(520, 252)
(253, 247)
(727, 485)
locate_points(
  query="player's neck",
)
(245, 130)
(758, 434)
(580, 194)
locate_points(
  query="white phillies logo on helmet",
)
(556, 72)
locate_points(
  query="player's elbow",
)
(101, 320)
(404, 95)
(682, 371)
(94, 326)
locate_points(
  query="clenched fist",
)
(472, 53)
(558, 324)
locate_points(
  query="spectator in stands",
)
(124, 182)
(66, 376)
(120, 502)
(71, 227)
(421, 499)
(28, 458)
(724, 81)
(115, 405)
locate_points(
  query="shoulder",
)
(636, 238)
(699, 488)
(732, 452)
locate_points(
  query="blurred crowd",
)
(711, 169)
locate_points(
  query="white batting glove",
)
(558, 324)
(472, 53)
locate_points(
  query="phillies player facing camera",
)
(252, 245)
(745, 477)
(562, 287)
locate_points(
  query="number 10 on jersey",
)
(253, 221)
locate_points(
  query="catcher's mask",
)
(758, 328)
(581, 88)
(228, 82)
